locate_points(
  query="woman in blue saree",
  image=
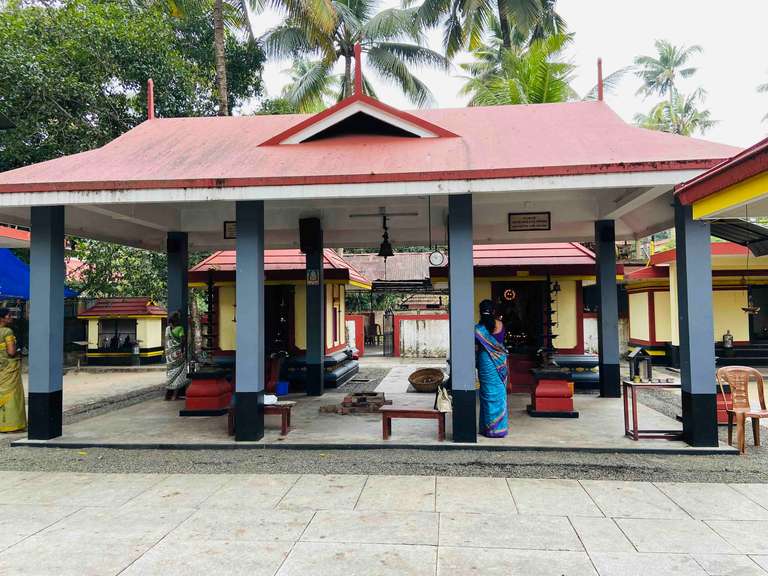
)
(491, 360)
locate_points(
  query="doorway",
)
(521, 305)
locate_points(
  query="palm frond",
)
(610, 82)
(394, 69)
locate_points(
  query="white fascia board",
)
(360, 190)
(354, 108)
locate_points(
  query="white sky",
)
(734, 61)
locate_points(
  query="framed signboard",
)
(230, 230)
(529, 221)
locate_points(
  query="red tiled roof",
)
(493, 142)
(401, 266)
(290, 260)
(14, 234)
(746, 164)
(121, 307)
(716, 248)
(648, 273)
(554, 257)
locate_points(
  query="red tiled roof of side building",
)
(647, 273)
(275, 261)
(123, 307)
(716, 248)
(562, 139)
(748, 163)
(14, 234)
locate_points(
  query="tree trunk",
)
(347, 76)
(220, 56)
(506, 41)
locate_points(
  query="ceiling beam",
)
(116, 215)
(632, 201)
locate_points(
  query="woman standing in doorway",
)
(13, 416)
(175, 358)
(491, 359)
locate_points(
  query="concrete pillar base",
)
(464, 415)
(315, 380)
(249, 416)
(700, 419)
(45, 415)
(610, 381)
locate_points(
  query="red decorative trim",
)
(525, 172)
(639, 342)
(743, 166)
(398, 318)
(332, 349)
(312, 120)
(589, 314)
(359, 321)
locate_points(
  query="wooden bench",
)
(282, 409)
(390, 412)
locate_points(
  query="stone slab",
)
(473, 494)
(206, 558)
(508, 531)
(373, 527)
(601, 535)
(636, 564)
(495, 562)
(707, 501)
(398, 493)
(748, 537)
(678, 536)
(184, 490)
(18, 521)
(331, 559)
(324, 492)
(247, 524)
(631, 499)
(251, 491)
(729, 565)
(756, 492)
(552, 497)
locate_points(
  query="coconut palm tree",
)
(680, 116)
(466, 23)
(326, 88)
(660, 73)
(392, 40)
(534, 74)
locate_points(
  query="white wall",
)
(424, 338)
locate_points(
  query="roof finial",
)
(600, 79)
(358, 70)
(150, 99)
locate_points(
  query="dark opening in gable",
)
(361, 123)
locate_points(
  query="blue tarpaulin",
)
(14, 277)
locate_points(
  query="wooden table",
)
(635, 432)
(390, 412)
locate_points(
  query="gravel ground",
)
(365, 380)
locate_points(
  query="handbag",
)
(443, 401)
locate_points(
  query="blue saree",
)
(492, 370)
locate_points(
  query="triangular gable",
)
(395, 120)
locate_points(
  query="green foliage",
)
(681, 115)
(73, 75)
(363, 301)
(660, 73)
(276, 106)
(392, 40)
(467, 23)
(534, 74)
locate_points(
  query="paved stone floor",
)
(132, 524)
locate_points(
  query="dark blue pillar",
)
(694, 308)
(178, 263)
(312, 245)
(462, 312)
(608, 311)
(46, 322)
(249, 362)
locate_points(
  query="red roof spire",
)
(600, 86)
(358, 69)
(150, 99)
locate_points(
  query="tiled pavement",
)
(135, 524)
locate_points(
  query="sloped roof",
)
(13, 237)
(658, 264)
(123, 307)
(401, 266)
(570, 138)
(279, 264)
(744, 165)
(552, 257)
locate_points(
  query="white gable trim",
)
(354, 108)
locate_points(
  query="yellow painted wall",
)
(728, 314)
(566, 315)
(149, 332)
(93, 334)
(228, 328)
(300, 316)
(674, 321)
(227, 324)
(661, 313)
(638, 316)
